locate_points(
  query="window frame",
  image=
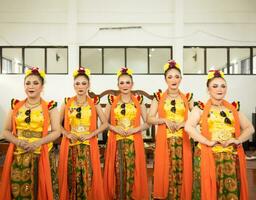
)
(125, 57)
(23, 58)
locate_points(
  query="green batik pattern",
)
(227, 175)
(24, 176)
(125, 165)
(176, 167)
(79, 172)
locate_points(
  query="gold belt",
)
(29, 134)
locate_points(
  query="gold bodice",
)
(221, 126)
(125, 114)
(79, 117)
(29, 125)
(175, 111)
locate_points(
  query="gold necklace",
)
(31, 106)
(173, 97)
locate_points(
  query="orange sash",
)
(44, 172)
(162, 163)
(208, 176)
(140, 188)
(97, 183)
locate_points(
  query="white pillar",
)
(73, 52)
(178, 32)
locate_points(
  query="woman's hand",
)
(132, 131)
(72, 136)
(85, 137)
(120, 131)
(211, 143)
(31, 147)
(171, 125)
(231, 141)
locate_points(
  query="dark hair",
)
(84, 75)
(125, 74)
(170, 68)
(35, 74)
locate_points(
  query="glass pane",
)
(158, 57)
(216, 59)
(11, 60)
(57, 60)
(254, 61)
(137, 60)
(239, 61)
(92, 58)
(193, 60)
(34, 57)
(113, 59)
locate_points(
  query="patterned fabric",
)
(79, 172)
(177, 116)
(125, 165)
(222, 128)
(80, 117)
(227, 175)
(176, 166)
(158, 94)
(24, 176)
(125, 114)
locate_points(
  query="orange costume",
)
(163, 161)
(140, 186)
(208, 171)
(96, 187)
(44, 190)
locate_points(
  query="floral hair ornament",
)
(215, 73)
(124, 70)
(171, 64)
(35, 70)
(82, 71)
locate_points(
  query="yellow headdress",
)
(35, 70)
(82, 71)
(215, 73)
(171, 64)
(124, 70)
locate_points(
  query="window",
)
(216, 59)
(254, 61)
(137, 59)
(91, 58)
(239, 61)
(57, 61)
(114, 58)
(193, 60)
(108, 60)
(231, 60)
(158, 57)
(54, 60)
(12, 61)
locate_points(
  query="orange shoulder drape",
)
(140, 189)
(97, 183)
(44, 172)
(208, 176)
(162, 163)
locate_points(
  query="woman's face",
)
(125, 84)
(173, 79)
(81, 85)
(217, 88)
(33, 86)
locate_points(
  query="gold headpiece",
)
(124, 70)
(82, 71)
(215, 73)
(35, 70)
(171, 64)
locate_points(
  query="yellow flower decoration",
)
(124, 70)
(81, 71)
(215, 73)
(35, 70)
(171, 64)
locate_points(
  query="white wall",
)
(174, 23)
